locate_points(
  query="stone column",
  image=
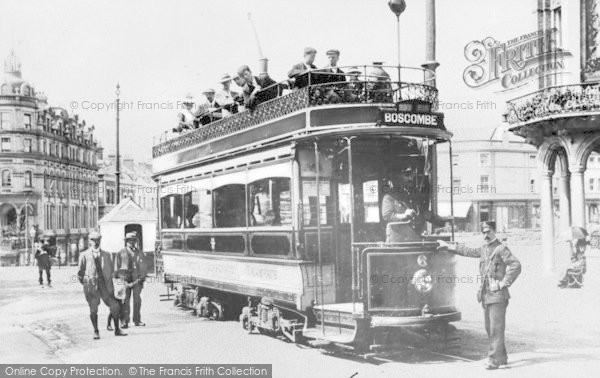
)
(547, 219)
(577, 197)
(565, 201)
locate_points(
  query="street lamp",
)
(118, 167)
(398, 6)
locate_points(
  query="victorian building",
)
(48, 167)
(561, 117)
(496, 178)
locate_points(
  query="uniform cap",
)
(309, 50)
(333, 52)
(243, 69)
(486, 226)
(130, 235)
(94, 235)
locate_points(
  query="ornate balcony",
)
(342, 92)
(552, 103)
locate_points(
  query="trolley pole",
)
(118, 157)
(397, 7)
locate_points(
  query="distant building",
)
(48, 166)
(136, 183)
(496, 177)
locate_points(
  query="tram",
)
(276, 215)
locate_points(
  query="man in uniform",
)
(139, 276)
(498, 270)
(96, 273)
(398, 206)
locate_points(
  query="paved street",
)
(52, 325)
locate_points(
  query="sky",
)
(159, 51)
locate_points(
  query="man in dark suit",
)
(42, 254)
(334, 92)
(96, 274)
(498, 270)
(300, 72)
(257, 89)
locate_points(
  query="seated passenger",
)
(334, 92)
(187, 118)
(209, 111)
(239, 99)
(257, 89)
(300, 72)
(354, 89)
(226, 97)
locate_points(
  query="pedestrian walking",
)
(140, 271)
(498, 268)
(42, 255)
(96, 273)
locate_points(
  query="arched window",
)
(28, 179)
(6, 178)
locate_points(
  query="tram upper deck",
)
(348, 103)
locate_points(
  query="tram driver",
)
(400, 210)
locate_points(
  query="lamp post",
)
(398, 6)
(118, 157)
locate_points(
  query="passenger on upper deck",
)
(210, 110)
(187, 118)
(337, 74)
(239, 99)
(257, 89)
(334, 92)
(354, 90)
(300, 72)
(226, 97)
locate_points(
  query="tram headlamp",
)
(422, 281)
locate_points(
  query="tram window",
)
(344, 203)
(230, 206)
(270, 245)
(197, 206)
(230, 243)
(309, 199)
(371, 201)
(171, 210)
(198, 243)
(270, 202)
(172, 241)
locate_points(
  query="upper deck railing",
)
(324, 88)
(554, 101)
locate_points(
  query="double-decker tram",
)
(312, 215)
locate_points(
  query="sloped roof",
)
(128, 211)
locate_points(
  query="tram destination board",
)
(393, 117)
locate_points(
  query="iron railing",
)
(553, 101)
(324, 88)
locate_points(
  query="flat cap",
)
(94, 235)
(333, 52)
(309, 50)
(243, 69)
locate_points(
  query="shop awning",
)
(461, 209)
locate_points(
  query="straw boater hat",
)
(209, 90)
(352, 70)
(225, 78)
